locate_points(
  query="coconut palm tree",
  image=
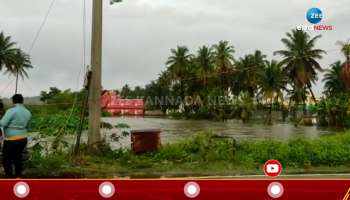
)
(272, 82)
(298, 96)
(223, 62)
(247, 71)
(345, 49)
(259, 59)
(332, 79)
(178, 64)
(300, 59)
(245, 106)
(7, 51)
(205, 65)
(20, 66)
(241, 78)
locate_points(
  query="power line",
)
(7, 86)
(36, 37)
(75, 101)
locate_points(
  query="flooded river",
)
(173, 129)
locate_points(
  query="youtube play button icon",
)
(272, 168)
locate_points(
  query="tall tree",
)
(223, 60)
(126, 92)
(345, 49)
(333, 80)
(53, 91)
(20, 66)
(300, 59)
(7, 51)
(178, 64)
(272, 82)
(247, 73)
(205, 65)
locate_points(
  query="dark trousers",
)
(12, 153)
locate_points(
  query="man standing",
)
(15, 124)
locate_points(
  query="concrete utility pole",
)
(94, 134)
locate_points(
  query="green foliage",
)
(302, 153)
(204, 147)
(334, 110)
(126, 92)
(333, 80)
(62, 100)
(248, 73)
(15, 60)
(53, 91)
(300, 57)
(272, 81)
(244, 106)
(203, 150)
(54, 123)
(122, 126)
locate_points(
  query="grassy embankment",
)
(202, 155)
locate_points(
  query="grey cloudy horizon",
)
(138, 35)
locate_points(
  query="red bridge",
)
(111, 102)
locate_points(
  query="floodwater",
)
(174, 129)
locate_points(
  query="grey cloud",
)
(138, 34)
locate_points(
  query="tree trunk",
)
(312, 93)
(270, 114)
(16, 90)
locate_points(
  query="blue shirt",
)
(15, 122)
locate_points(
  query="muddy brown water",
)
(174, 130)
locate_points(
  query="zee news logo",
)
(315, 16)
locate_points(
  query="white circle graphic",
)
(106, 190)
(192, 189)
(275, 190)
(21, 190)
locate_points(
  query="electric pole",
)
(94, 134)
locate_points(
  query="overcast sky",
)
(138, 35)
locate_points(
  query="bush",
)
(207, 150)
(54, 123)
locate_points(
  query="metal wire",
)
(36, 37)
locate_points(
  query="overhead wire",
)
(41, 26)
(7, 86)
(81, 69)
(36, 37)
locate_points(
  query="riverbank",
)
(203, 155)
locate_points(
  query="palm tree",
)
(333, 82)
(7, 51)
(272, 82)
(178, 64)
(297, 95)
(345, 49)
(241, 79)
(300, 59)
(247, 73)
(223, 60)
(205, 65)
(20, 66)
(245, 106)
(258, 59)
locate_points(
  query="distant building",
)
(111, 102)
